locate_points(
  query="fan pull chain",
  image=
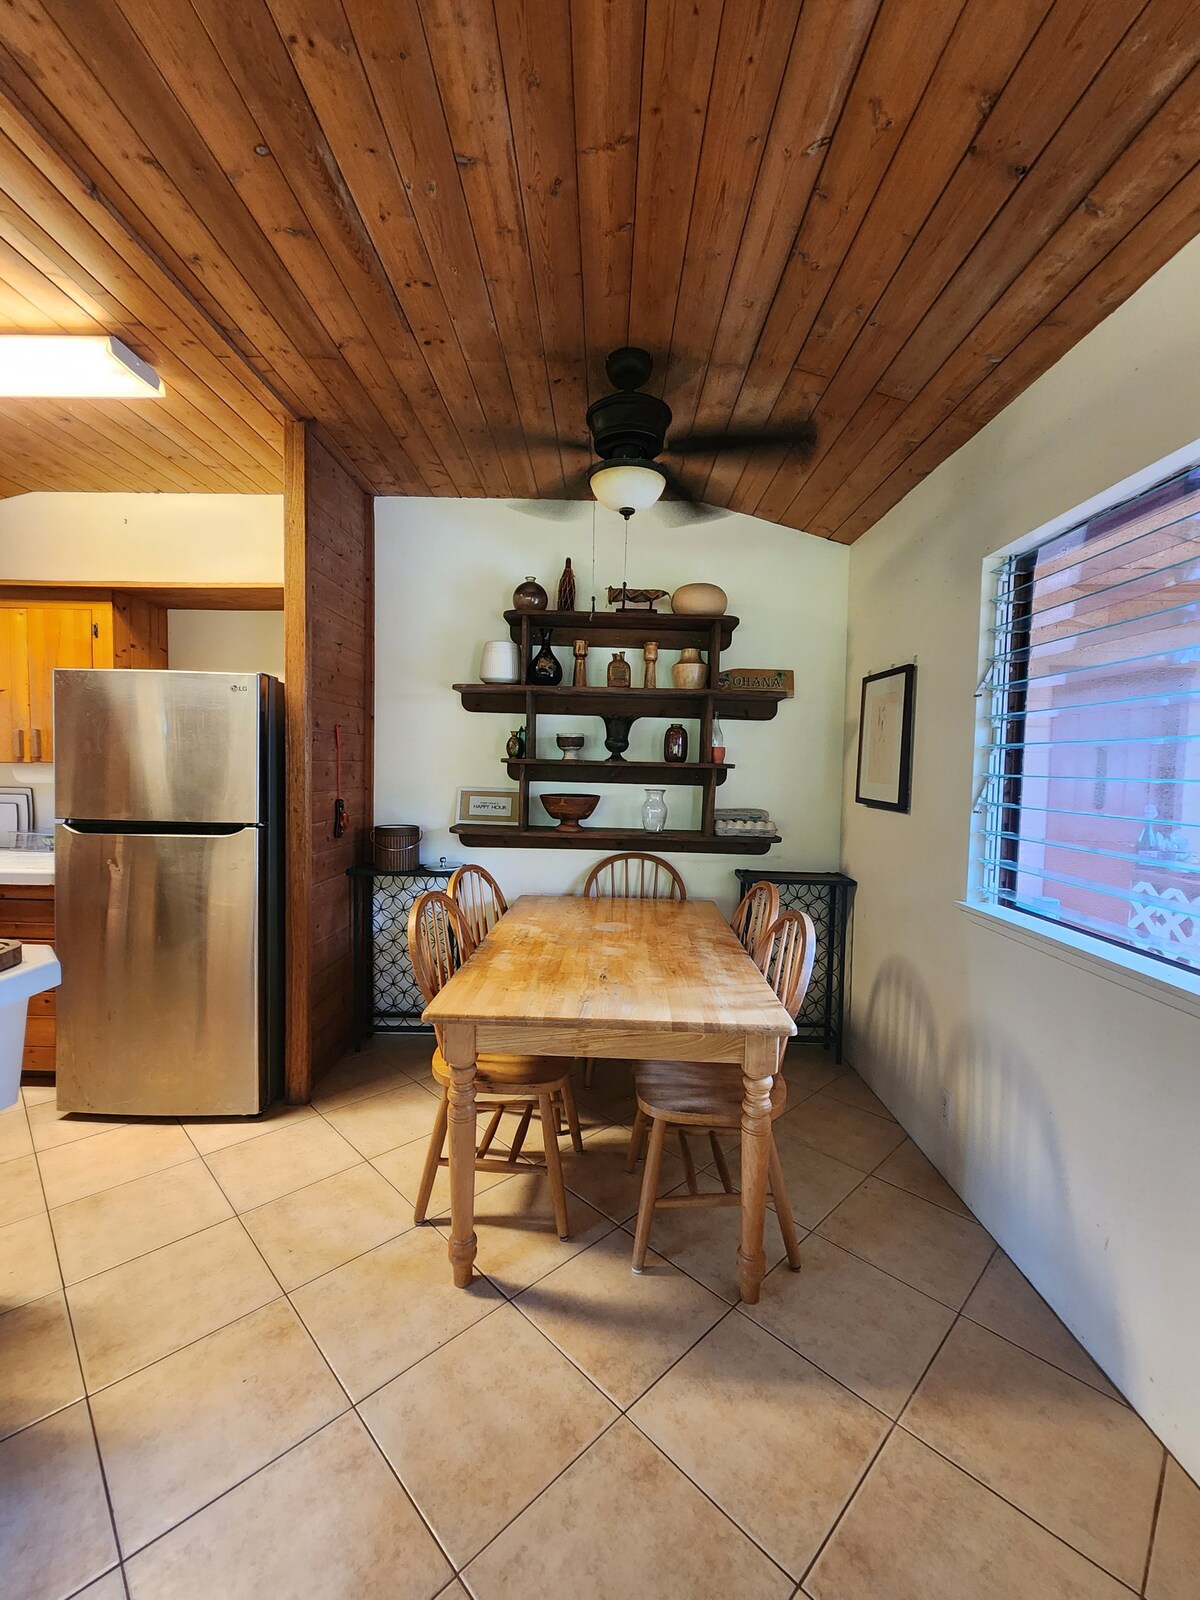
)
(593, 559)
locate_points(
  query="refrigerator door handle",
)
(176, 830)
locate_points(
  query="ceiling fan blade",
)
(684, 507)
(800, 438)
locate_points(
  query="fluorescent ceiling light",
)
(68, 366)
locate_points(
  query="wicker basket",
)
(397, 849)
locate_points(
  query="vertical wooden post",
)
(329, 649)
(297, 766)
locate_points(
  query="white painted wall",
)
(1075, 1133)
(225, 641)
(142, 538)
(445, 572)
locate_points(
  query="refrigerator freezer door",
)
(136, 746)
(160, 1011)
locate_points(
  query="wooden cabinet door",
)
(59, 636)
(14, 685)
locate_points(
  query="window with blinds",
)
(1090, 806)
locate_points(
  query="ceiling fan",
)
(629, 432)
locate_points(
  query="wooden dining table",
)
(634, 979)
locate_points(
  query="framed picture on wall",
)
(885, 730)
(497, 807)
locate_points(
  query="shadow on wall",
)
(983, 1120)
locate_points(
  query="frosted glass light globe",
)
(628, 486)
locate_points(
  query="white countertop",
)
(26, 866)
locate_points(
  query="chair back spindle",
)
(479, 899)
(757, 912)
(634, 876)
(438, 941)
(789, 948)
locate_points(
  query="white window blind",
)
(1090, 806)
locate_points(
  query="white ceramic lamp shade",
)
(500, 662)
(628, 486)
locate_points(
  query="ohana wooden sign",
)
(758, 678)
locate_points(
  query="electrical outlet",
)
(947, 1106)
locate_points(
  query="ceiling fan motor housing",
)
(629, 425)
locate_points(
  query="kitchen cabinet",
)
(27, 913)
(34, 640)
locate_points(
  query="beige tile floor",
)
(231, 1367)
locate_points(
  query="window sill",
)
(1142, 974)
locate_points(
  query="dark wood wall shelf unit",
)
(618, 630)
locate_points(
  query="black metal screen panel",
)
(388, 997)
(826, 898)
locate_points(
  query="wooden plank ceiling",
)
(423, 223)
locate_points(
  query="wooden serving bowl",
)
(570, 809)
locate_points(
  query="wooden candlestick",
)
(579, 681)
(650, 656)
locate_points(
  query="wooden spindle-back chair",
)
(706, 1097)
(756, 912)
(632, 875)
(439, 943)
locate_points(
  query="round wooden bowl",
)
(570, 809)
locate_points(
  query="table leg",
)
(758, 1071)
(458, 1047)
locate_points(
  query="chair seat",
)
(704, 1094)
(511, 1075)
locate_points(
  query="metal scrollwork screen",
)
(826, 898)
(396, 1000)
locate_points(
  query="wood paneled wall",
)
(139, 631)
(329, 561)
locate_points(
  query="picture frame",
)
(885, 733)
(497, 808)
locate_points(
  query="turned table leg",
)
(458, 1047)
(758, 1071)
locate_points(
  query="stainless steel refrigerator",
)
(167, 891)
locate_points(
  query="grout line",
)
(87, 1400)
(139, 1255)
(348, 1410)
(1020, 1510)
(717, 1507)
(1016, 1344)
(624, 1409)
(380, 1387)
(950, 1211)
(545, 1489)
(893, 1425)
(1158, 1499)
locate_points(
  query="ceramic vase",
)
(619, 675)
(500, 662)
(530, 596)
(675, 743)
(689, 672)
(616, 736)
(545, 668)
(654, 811)
(699, 600)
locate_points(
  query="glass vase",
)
(654, 811)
